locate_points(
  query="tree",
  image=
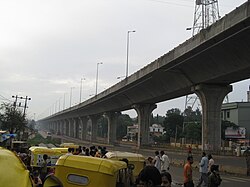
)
(193, 131)
(173, 123)
(12, 119)
(123, 121)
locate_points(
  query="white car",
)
(242, 149)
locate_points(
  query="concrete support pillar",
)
(64, 127)
(83, 122)
(144, 113)
(71, 127)
(76, 128)
(94, 127)
(67, 127)
(112, 124)
(211, 97)
(57, 127)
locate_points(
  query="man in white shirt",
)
(164, 162)
(157, 161)
(203, 170)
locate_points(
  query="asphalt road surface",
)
(227, 180)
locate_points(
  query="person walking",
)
(149, 177)
(166, 179)
(188, 176)
(210, 163)
(214, 179)
(164, 162)
(203, 170)
(157, 161)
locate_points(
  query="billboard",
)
(235, 133)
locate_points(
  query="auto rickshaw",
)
(61, 149)
(37, 156)
(73, 146)
(75, 171)
(12, 170)
(135, 161)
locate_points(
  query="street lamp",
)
(127, 51)
(64, 100)
(70, 97)
(96, 83)
(81, 89)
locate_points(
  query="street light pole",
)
(70, 96)
(127, 51)
(64, 100)
(96, 83)
(81, 89)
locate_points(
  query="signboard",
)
(235, 133)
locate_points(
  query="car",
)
(243, 149)
(246, 151)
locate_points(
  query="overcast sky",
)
(47, 46)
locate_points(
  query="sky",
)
(48, 46)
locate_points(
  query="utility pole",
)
(206, 13)
(20, 104)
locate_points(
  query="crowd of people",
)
(157, 172)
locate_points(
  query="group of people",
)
(209, 172)
(157, 172)
(91, 151)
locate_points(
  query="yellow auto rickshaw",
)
(135, 161)
(37, 156)
(12, 170)
(61, 149)
(75, 171)
(73, 146)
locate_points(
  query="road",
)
(227, 180)
(228, 164)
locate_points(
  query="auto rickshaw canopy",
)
(12, 170)
(94, 164)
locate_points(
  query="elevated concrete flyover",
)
(205, 64)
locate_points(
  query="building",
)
(156, 130)
(238, 113)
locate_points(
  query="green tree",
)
(173, 123)
(123, 121)
(193, 131)
(12, 119)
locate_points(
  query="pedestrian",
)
(164, 162)
(149, 177)
(157, 161)
(188, 176)
(189, 150)
(210, 163)
(69, 151)
(203, 170)
(150, 161)
(36, 180)
(44, 169)
(214, 179)
(166, 179)
(247, 154)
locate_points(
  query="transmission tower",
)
(206, 13)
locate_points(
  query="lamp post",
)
(127, 51)
(81, 89)
(64, 100)
(96, 83)
(70, 97)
